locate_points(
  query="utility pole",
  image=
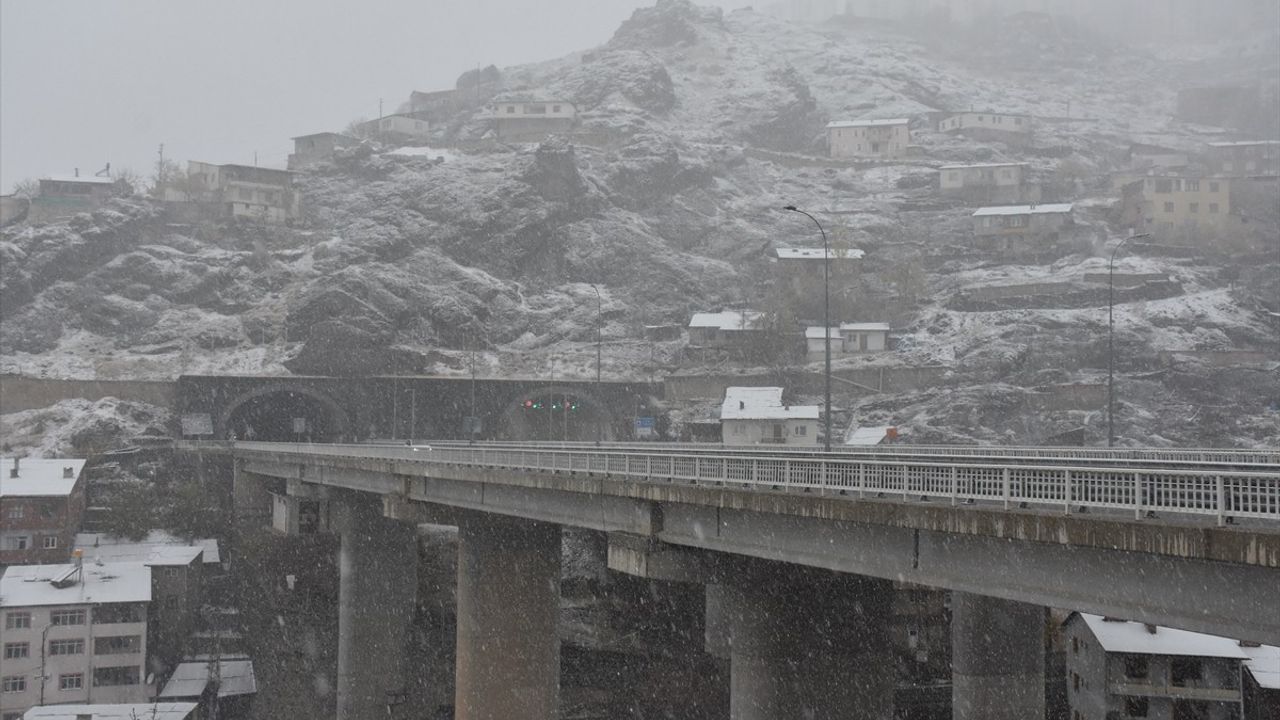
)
(160, 178)
(826, 325)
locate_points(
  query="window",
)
(1168, 207)
(117, 613)
(74, 681)
(511, 109)
(1136, 667)
(50, 542)
(1213, 208)
(802, 430)
(16, 512)
(17, 620)
(1194, 207)
(117, 645)
(1075, 682)
(1193, 186)
(1185, 671)
(14, 684)
(1190, 710)
(1136, 707)
(17, 542)
(1075, 646)
(103, 677)
(555, 108)
(1213, 187)
(15, 650)
(67, 617)
(66, 647)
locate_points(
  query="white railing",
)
(1070, 487)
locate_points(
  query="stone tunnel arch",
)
(551, 421)
(267, 413)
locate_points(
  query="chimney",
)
(742, 405)
(14, 472)
(77, 172)
(1150, 628)
(68, 473)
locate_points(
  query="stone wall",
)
(18, 392)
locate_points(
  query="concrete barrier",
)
(19, 392)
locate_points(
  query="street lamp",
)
(826, 325)
(1111, 339)
(599, 329)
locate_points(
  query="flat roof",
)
(1046, 209)
(762, 403)
(81, 179)
(39, 477)
(189, 679)
(31, 585)
(814, 332)
(865, 327)
(122, 711)
(867, 123)
(868, 435)
(727, 320)
(818, 254)
(324, 134)
(1264, 665)
(1123, 636)
(988, 112)
(157, 548)
(961, 166)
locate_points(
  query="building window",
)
(1185, 671)
(1193, 186)
(16, 512)
(17, 542)
(802, 430)
(1213, 187)
(117, 614)
(1075, 646)
(1194, 207)
(1213, 208)
(1168, 207)
(13, 651)
(14, 684)
(1190, 710)
(511, 109)
(1075, 682)
(1136, 707)
(50, 542)
(75, 681)
(66, 647)
(17, 620)
(1136, 667)
(67, 617)
(117, 645)
(108, 676)
(555, 108)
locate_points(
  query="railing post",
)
(1137, 496)
(1006, 489)
(954, 488)
(648, 467)
(1222, 501)
(862, 479)
(1066, 492)
(822, 479)
(786, 472)
(905, 482)
(697, 469)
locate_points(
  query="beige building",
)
(989, 125)
(757, 416)
(1021, 227)
(1177, 205)
(239, 191)
(74, 634)
(316, 148)
(396, 128)
(869, 138)
(1244, 159)
(989, 182)
(531, 120)
(65, 195)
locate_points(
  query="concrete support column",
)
(508, 604)
(377, 587)
(997, 659)
(808, 644)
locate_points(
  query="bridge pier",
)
(508, 662)
(997, 658)
(808, 644)
(377, 584)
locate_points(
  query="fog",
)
(85, 83)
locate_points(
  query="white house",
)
(396, 128)
(871, 435)
(865, 337)
(993, 125)
(756, 416)
(721, 329)
(869, 138)
(1020, 227)
(521, 120)
(74, 634)
(992, 182)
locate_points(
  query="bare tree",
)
(28, 188)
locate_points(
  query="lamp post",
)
(826, 326)
(599, 329)
(1111, 339)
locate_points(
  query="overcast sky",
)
(86, 82)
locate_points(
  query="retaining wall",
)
(18, 392)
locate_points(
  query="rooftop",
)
(817, 254)
(324, 134)
(129, 711)
(81, 179)
(1046, 209)
(189, 679)
(727, 320)
(867, 123)
(157, 548)
(1133, 637)
(39, 477)
(32, 585)
(963, 166)
(815, 332)
(762, 403)
(867, 435)
(1264, 665)
(865, 327)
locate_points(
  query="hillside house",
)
(1008, 127)
(1119, 669)
(987, 182)
(1142, 156)
(1021, 227)
(65, 195)
(1244, 159)
(528, 121)
(439, 106)
(405, 128)
(757, 416)
(728, 328)
(42, 503)
(871, 435)
(869, 138)
(316, 148)
(1181, 205)
(74, 633)
(800, 270)
(847, 339)
(239, 191)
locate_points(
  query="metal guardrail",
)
(1072, 487)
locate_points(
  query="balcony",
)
(1189, 691)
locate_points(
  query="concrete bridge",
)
(406, 407)
(798, 551)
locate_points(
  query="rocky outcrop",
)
(667, 23)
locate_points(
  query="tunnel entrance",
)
(558, 415)
(286, 416)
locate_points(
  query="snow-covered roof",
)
(122, 711)
(1048, 208)
(1124, 636)
(1264, 665)
(1244, 143)
(762, 403)
(867, 123)
(325, 134)
(81, 179)
(157, 548)
(39, 477)
(865, 327)
(867, 435)
(32, 585)
(817, 254)
(814, 332)
(727, 320)
(189, 679)
(963, 166)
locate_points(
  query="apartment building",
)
(42, 504)
(1177, 205)
(869, 138)
(238, 191)
(1250, 158)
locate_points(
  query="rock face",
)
(639, 77)
(668, 23)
